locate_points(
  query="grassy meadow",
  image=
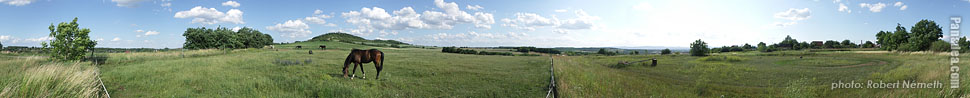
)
(427, 72)
(753, 74)
(408, 72)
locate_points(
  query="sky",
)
(541, 23)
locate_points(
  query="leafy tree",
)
(964, 44)
(1, 45)
(788, 43)
(925, 32)
(602, 51)
(224, 38)
(848, 44)
(804, 45)
(698, 48)
(636, 52)
(762, 47)
(883, 39)
(747, 47)
(868, 44)
(69, 42)
(831, 44)
(665, 51)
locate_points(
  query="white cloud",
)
(127, 3)
(235, 29)
(873, 7)
(100, 39)
(795, 14)
(900, 5)
(317, 19)
(843, 8)
(560, 10)
(373, 19)
(291, 28)
(16, 2)
(151, 33)
(642, 6)
(39, 39)
(531, 21)
(560, 31)
(211, 15)
(230, 3)
(318, 11)
(474, 7)
(116, 39)
(166, 4)
(583, 21)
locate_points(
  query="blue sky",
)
(543, 23)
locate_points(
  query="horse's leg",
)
(345, 69)
(378, 66)
(354, 74)
(363, 75)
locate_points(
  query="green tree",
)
(804, 45)
(831, 44)
(747, 47)
(224, 38)
(868, 44)
(762, 47)
(636, 52)
(848, 44)
(964, 44)
(69, 42)
(883, 39)
(665, 51)
(925, 32)
(788, 43)
(698, 48)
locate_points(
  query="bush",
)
(698, 48)
(665, 51)
(56, 81)
(940, 46)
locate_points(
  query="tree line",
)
(923, 36)
(469, 51)
(224, 38)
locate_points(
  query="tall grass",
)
(57, 81)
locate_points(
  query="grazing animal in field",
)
(359, 57)
(323, 47)
(311, 51)
(298, 47)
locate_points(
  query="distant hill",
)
(344, 37)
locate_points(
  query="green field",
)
(752, 74)
(420, 72)
(408, 72)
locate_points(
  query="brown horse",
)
(358, 57)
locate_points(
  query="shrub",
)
(665, 51)
(940, 46)
(698, 48)
(56, 81)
